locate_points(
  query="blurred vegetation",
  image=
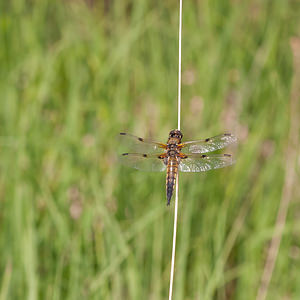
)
(77, 225)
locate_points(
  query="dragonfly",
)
(175, 155)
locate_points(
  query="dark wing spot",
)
(203, 155)
(125, 154)
(207, 140)
(141, 139)
(229, 155)
(122, 133)
(227, 134)
(144, 155)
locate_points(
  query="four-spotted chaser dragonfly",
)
(148, 155)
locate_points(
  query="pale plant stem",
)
(176, 193)
(179, 64)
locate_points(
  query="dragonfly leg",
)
(182, 155)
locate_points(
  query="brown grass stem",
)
(290, 175)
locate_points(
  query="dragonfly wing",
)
(132, 143)
(202, 163)
(209, 144)
(143, 162)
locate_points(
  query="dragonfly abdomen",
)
(172, 169)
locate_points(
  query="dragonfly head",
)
(175, 134)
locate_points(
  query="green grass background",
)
(74, 224)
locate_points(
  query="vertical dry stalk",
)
(290, 174)
(178, 127)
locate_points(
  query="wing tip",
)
(232, 136)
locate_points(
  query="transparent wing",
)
(202, 163)
(132, 143)
(143, 162)
(209, 144)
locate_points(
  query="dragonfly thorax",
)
(172, 151)
(172, 146)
